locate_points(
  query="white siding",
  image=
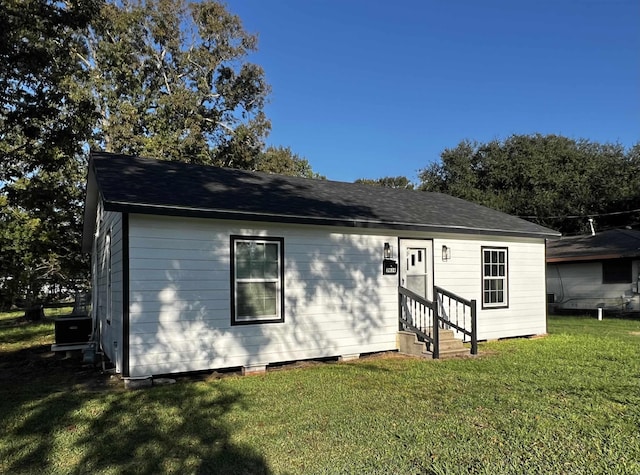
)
(578, 285)
(462, 274)
(337, 301)
(109, 224)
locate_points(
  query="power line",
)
(591, 215)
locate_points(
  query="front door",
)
(416, 266)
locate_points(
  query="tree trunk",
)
(34, 313)
(33, 310)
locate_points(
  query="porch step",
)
(457, 353)
(450, 346)
(408, 343)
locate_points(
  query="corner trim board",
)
(125, 295)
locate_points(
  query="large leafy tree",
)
(44, 120)
(398, 182)
(172, 81)
(161, 78)
(553, 180)
(283, 161)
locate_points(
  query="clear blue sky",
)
(370, 88)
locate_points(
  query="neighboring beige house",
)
(198, 268)
(595, 271)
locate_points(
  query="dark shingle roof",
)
(612, 244)
(138, 185)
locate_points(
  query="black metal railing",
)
(418, 315)
(455, 312)
(448, 311)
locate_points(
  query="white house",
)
(198, 267)
(595, 271)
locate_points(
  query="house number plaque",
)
(389, 267)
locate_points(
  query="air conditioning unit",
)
(72, 330)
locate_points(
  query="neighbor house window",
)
(494, 277)
(257, 279)
(616, 271)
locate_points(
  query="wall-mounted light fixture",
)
(389, 265)
(446, 253)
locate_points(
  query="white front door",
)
(416, 266)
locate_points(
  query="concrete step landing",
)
(450, 346)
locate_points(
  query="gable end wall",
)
(110, 333)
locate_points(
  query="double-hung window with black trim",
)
(257, 280)
(495, 278)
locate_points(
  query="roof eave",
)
(592, 257)
(151, 209)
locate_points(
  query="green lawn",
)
(566, 403)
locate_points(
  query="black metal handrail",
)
(448, 310)
(458, 313)
(418, 315)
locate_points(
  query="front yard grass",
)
(566, 403)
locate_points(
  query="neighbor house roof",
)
(139, 185)
(612, 244)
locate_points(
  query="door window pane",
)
(417, 284)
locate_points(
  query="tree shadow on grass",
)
(178, 429)
(59, 417)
